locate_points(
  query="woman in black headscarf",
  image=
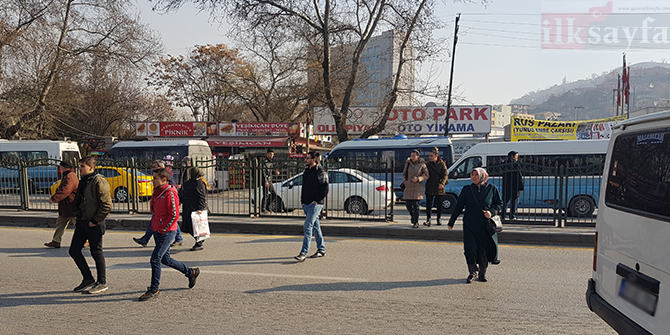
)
(193, 196)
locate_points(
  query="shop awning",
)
(247, 141)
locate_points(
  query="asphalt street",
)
(251, 284)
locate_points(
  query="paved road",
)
(251, 284)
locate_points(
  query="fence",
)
(236, 187)
(560, 194)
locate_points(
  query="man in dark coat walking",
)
(64, 196)
(512, 184)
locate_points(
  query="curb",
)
(506, 237)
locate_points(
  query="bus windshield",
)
(148, 153)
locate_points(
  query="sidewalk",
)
(512, 233)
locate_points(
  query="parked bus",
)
(397, 148)
(38, 177)
(539, 188)
(629, 288)
(196, 150)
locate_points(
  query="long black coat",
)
(512, 181)
(193, 197)
(474, 222)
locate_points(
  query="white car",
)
(350, 190)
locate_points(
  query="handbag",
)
(200, 225)
(494, 223)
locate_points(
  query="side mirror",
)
(453, 175)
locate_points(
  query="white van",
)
(197, 150)
(39, 149)
(630, 287)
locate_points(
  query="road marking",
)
(257, 274)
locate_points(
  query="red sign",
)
(176, 129)
(270, 142)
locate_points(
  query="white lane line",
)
(257, 274)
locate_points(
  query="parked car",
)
(350, 190)
(119, 180)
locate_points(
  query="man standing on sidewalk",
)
(164, 216)
(64, 196)
(92, 203)
(314, 192)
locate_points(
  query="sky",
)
(505, 48)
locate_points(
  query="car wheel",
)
(356, 205)
(121, 194)
(276, 204)
(448, 203)
(582, 206)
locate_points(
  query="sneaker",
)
(52, 244)
(427, 223)
(139, 241)
(149, 294)
(195, 272)
(439, 222)
(470, 276)
(197, 246)
(97, 288)
(175, 243)
(318, 254)
(301, 257)
(416, 225)
(85, 285)
(482, 279)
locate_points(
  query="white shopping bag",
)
(200, 225)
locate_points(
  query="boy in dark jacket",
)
(64, 196)
(313, 196)
(164, 216)
(437, 179)
(92, 203)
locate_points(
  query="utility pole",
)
(451, 75)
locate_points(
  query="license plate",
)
(639, 297)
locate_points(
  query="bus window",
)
(466, 166)
(24, 155)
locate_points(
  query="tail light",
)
(595, 252)
(382, 188)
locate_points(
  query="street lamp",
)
(575, 109)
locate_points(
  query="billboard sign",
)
(409, 120)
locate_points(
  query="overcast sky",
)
(500, 54)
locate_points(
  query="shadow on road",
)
(360, 286)
(69, 297)
(109, 252)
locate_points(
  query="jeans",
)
(149, 233)
(434, 201)
(413, 209)
(83, 232)
(161, 254)
(513, 201)
(312, 227)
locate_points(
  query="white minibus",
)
(196, 150)
(630, 285)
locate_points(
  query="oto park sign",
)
(409, 120)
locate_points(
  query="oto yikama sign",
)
(409, 120)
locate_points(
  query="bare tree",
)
(79, 28)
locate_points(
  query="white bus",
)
(196, 150)
(630, 285)
(39, 177)
(538, 193)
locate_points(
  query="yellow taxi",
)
(119, 180)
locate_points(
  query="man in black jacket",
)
(512, 184)
(314, 192)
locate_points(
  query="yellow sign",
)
(533, 130)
